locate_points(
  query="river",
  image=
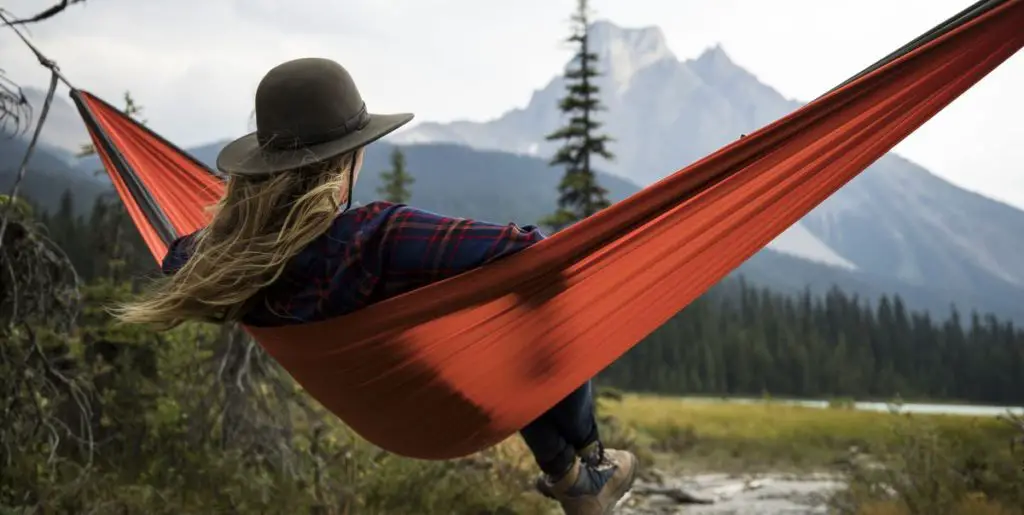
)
(975, 410)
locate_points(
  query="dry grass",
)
(767, 435)
(775, 421)
(684, 435)
(904, 465)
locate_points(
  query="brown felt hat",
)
(307, 111)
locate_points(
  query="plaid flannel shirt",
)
(371, 253)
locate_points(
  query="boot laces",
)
(598, 458)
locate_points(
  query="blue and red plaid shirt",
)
(371, 253)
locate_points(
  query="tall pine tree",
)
(580, 195)
(396, 181)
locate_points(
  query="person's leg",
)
(601, 479)
(574, 416)
(552, 453)
(563, 432)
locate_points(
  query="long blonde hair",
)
(257, 227)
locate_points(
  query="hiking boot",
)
(594, 484)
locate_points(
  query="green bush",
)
(108, 418)
(924, 470)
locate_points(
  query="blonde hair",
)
(257, 227)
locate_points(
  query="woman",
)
(281, 249)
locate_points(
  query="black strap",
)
(147, 204)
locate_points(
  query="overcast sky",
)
(194, 64)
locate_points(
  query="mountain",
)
(906, 223)
(63, 133)
(48, 176)
(712, 102)
(53, 168)
(896, 221)
(717, 101)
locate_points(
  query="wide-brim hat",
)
(307, 111)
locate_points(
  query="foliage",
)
(580, 195)
(758, 435)
(37, 281)
(199, 420)
(905, 464)
(928, 470)
(397, 180)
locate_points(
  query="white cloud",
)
(194, 64)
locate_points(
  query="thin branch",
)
(46, 14)
(15, 110)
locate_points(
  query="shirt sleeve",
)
(177, 255)
(418, 247)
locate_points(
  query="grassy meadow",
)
(934, 463)
(773, 436)
(896, 463)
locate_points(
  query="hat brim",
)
(244, 156)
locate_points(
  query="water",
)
(909, 407)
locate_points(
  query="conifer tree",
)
(580, 195)
(396, 181)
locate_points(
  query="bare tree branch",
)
(15, 111)
(50, 12)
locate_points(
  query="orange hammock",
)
(458, 366)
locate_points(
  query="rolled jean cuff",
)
(557, 466)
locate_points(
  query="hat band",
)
(278, 141)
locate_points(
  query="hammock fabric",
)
(455, 367)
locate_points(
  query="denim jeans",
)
(556, 435)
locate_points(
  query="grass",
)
(905, 464)
(767, 435)
(932, 463)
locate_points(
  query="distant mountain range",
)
(895, 229)
(50, 174)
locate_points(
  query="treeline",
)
(104, 244)
(746, 341)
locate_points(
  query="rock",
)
(676, 494)
(720, 494)
(756, 484)
(653, 476)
